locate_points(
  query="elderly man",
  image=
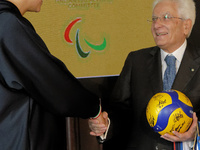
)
(143, 75)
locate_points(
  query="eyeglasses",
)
(165, 18)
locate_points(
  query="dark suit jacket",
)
(37, 91)
(140, 79)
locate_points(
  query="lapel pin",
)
(192, 69)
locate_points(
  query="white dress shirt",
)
(177, 53)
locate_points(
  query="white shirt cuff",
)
(104, 136)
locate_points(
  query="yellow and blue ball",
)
(169, 111)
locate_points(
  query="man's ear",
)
(187, 27)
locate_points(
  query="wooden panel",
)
(72, 134)
(78, 137)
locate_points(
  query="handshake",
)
(99, 125)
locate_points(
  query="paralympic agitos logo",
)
(80, 51)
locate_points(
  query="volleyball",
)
(169, 111)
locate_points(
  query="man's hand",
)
(187, 136)
(99, 125)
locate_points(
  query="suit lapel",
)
(154, 70)
(188, 68)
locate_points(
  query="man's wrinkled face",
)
(167, 26)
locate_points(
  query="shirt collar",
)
(177, 53)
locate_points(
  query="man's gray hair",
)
(186, 9)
